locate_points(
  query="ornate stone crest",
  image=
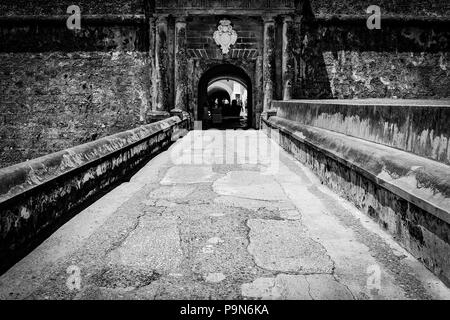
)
(225, 36)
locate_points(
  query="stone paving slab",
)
(297, 287)
(283, 246)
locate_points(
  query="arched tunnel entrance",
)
(225, 98)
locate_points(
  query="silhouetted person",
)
(235, 110)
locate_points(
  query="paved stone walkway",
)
(203, 221)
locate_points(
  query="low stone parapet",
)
(417, 126)
(38, 195)
(407, 194)
(155, 116)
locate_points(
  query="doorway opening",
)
(225, 98)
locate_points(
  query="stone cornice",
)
(225, 11)
(387, 19)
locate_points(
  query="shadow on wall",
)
(311, 77)
(342, 58)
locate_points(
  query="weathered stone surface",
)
(252, 204)
(347, 60)
(55, 101)
(147, 241)
(162, 5)
(249, 185)
(38, 7)
(269, 62)
(215, 277)
(176, 192)
(407, 175)
(162, 89)
(282, 246)
(297, 287)
(37, 195)
(62, 88)
(417, 126)
(389, 7)
(136, 252)
(181, 66)
(189, 175)
(318, 7)
(66, 88)
(417, 216)
(290, 215)
(288, 60)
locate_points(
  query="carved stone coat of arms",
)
(225, 36)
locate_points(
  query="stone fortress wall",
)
(61, 88)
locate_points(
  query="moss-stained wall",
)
(53, 101)
(346, 60)
(432, 8)
(60, 88)
(52, 7)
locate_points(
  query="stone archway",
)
(224, 71)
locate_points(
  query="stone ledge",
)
(388, 19)
(155, 116)
(409, 196)
(23, 176)
(36, 196)
(416, 126)
(398, 171)
(183, 115)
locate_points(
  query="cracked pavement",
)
(203, 221)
